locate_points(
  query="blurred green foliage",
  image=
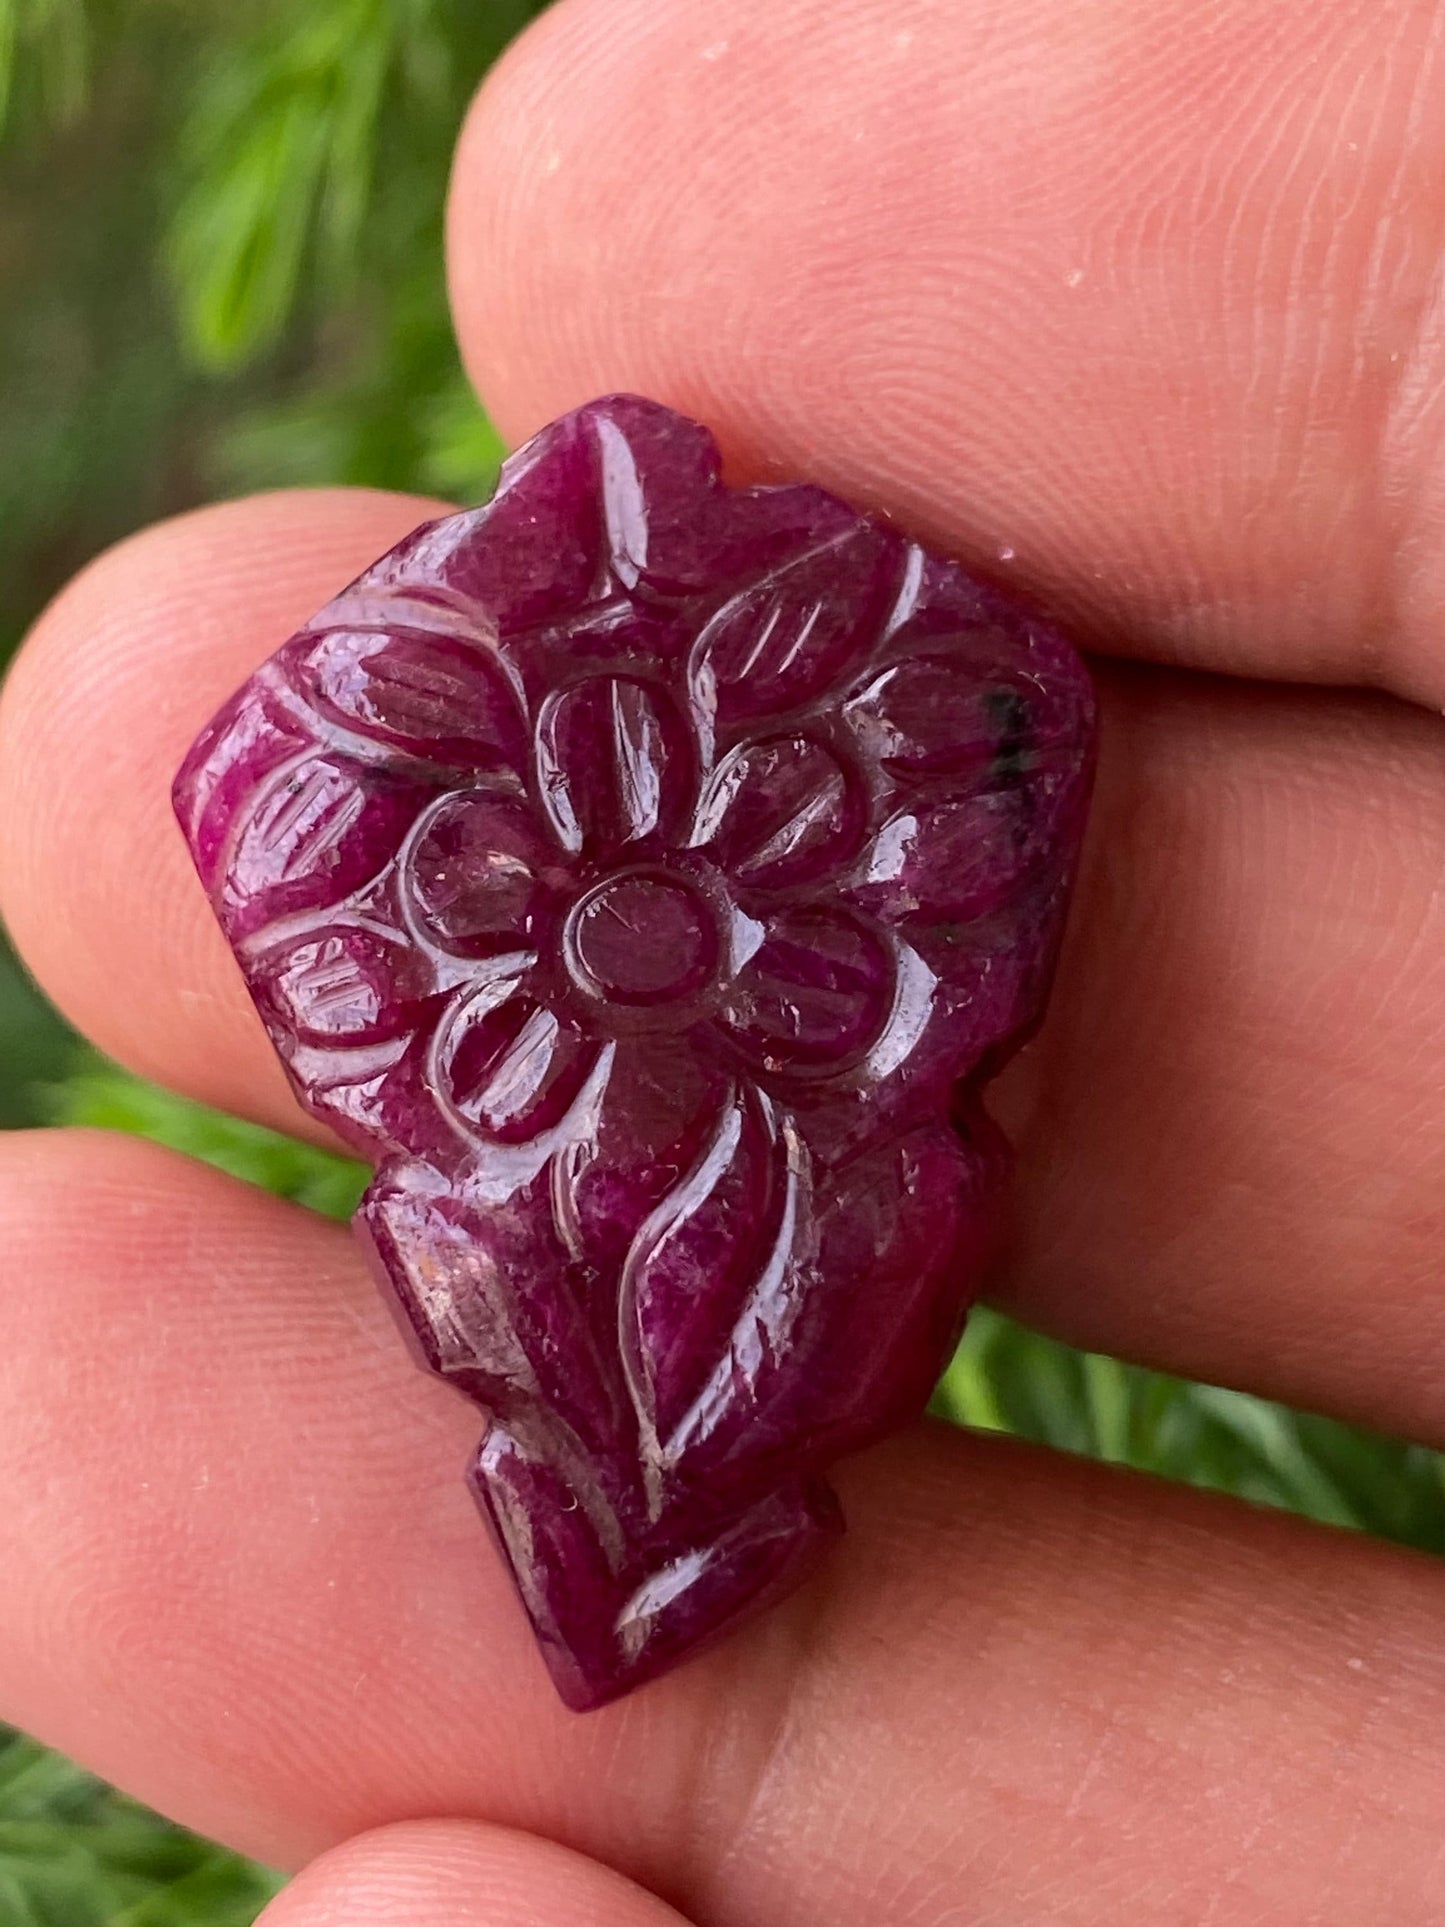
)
(104, 1097)
(52, 38)
(75, 1854)
(221, 269)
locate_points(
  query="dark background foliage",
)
(220, 269)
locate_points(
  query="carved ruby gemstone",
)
(647, 875)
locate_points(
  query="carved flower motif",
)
(638, 866)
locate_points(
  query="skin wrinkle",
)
(732, 1803)
(1018, 1544)
(730, 1778)
(792, 1773)
(448, 1873)
(1182, 216)
(1252, 978)
(1418, 404)
(1300, 225)
(1191, 520)
(780, 1772)
(1419, 359)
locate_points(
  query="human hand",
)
(1147, 311)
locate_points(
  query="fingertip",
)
(117, 677)
(1046, 281)
(448, 1873)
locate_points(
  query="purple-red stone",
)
(648, 875)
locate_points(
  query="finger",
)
(1250, 1015)
(1232, 1128)
(451, 1874)
(107, 696)
(1147, 317)
(243, 1578)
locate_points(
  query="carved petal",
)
(442, 697)
(614, 765)
(351, 984)
(817, 992)
(508, 1068)
(475, 873)
(784, 639)
(781, 811)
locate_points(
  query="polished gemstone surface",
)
(647, 875)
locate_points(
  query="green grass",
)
(1004, 1378)
(97, 1094)
(73, 1853)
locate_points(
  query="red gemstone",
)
(647, 875)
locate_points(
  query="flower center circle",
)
(644, 937)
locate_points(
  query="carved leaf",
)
(530, 555)
(946, 714)
(670, 528)
(488, 1296)
(784, 639)
(962, 857)
(663, 1101)
(314, 831)
(867, 1320)
(442, 697)
(718, 1249)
